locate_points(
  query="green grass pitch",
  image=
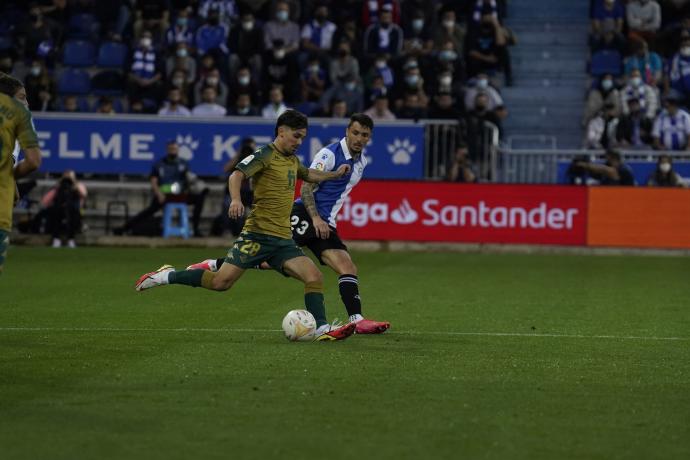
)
(489, 356)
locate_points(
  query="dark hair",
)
(613, 154)
(292, 119)
(9, 85)
(363, 119)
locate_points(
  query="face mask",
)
(448, 55)
(446, 80)
(213, 81)
(282, 15)
(244, 80)
(380, 64)
(313, 68)
(412, 79)
(606, 85)
(35, 70)
(636, 81)
(145, 42)
(248, 25)
(350, 86)
(243, 110)
(685, 51)
(182, 52)
(448, 24)
(178, 82)
(182, 22)
(279, 54)
(482, 83)
(417, 24)
(665, 167)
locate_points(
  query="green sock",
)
(316, 306)
(186, 277)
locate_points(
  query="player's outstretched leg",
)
(220, 281)
(304, 270)
(348, 285)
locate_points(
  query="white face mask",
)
(665, 167)
(606, 85)
(418, 24)
(350, 85)
(448, 24)
(145, 42)
(446, 80)
(636, 81)
(380, 64)
(482, 83)
(279, 54)
(182, 52)
(685, 51)
(248, 25)
(35, 70)
(213, 81)
(243, 110)
(244, 80)
(282, 15)
(178, 82)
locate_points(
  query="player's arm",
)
(236, 209)
(320, 226)
(30, 163)
(28, 141)
(316, 176)
(599, 169)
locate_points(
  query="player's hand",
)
(342, 170)
(236, 209)
(322, 229)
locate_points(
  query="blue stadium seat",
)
(108, 83)
(79, 53)
(606, 61)
(112, 55)
(74, 81)
(83, 26)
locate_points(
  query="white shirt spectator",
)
(644, 16)
(206, 109)
(179, 111)
(672, 130)
(272, 111)
(319, 35)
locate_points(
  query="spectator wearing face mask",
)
(243, 106)
(647, 62)
(603, 92)
(481, 83)
(180, 31)
(145, 70)
(634, 128)
(381, 69)
(349, 90)
(602, 129)
(450, 30)
(411, 82)
(645, 94)
(181, 60)
(281, 69)
(447, 82)
(40, 87)
(672, 125)
(212, 80)
(313, 81)
(418, 40)
(679, 69)
(283, 29)
(644, 18)
(246, 43)
(384, 37)
(344, 63)
(664, 175)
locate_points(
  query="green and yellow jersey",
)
(275, 175)
(15, 125)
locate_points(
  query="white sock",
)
(356, 318)
(323, 329)
(212, 265)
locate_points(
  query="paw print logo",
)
(402, 151)
(187, 146)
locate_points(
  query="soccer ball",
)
(299, 325)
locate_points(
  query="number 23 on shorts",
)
(299, 227)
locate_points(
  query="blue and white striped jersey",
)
(330, 195)
(672, 130)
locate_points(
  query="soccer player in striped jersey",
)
(15, 125)
(266, 235)
(313, 218)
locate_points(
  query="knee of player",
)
(314, 277)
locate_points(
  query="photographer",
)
(63, 204)
(612, 172)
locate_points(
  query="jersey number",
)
(250, 248)
(299, 227)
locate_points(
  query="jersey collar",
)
(346, 151)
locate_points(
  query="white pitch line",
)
(240, 330)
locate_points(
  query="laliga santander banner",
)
(418, 211)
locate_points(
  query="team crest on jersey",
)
(320, 166)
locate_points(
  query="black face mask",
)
(214, 21)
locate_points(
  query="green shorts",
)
(250, 249)
(4, 244)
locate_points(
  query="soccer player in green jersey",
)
(266, 235)
(15, 125)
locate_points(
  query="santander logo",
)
(479, 215)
